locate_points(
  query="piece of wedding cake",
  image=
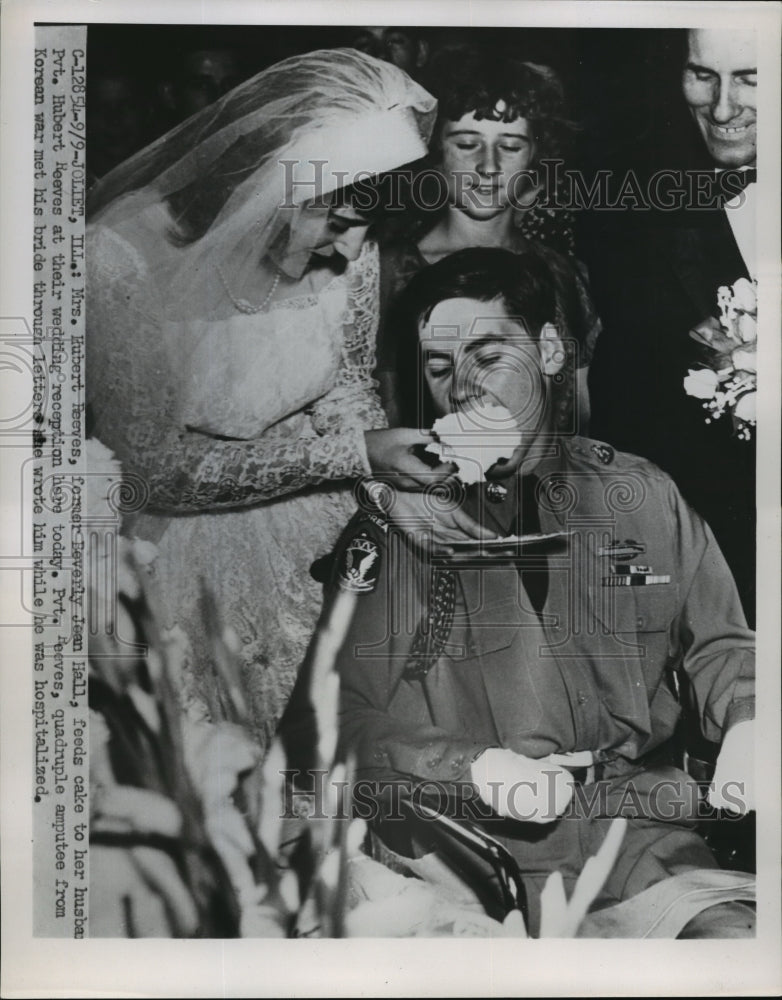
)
(474, 440)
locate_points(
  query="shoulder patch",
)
(603, 453)
(359, 565)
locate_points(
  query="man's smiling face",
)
(720, 86)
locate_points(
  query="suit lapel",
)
(704, 255)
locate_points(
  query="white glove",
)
(521, 788)
(733, 787)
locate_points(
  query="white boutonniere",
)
(728, 380)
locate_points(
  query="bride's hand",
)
(423, 500)
(392, 457)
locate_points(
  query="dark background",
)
(622, 84)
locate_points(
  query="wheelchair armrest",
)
(470, 834)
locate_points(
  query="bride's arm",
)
(132, 389)
(353, 404)
(201, 473)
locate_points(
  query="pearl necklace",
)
(242, 304)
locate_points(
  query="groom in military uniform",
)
(527, 672)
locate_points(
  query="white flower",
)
(701, 383)
(732, 388)
(748, 328)
(745, 360)
(738, 308)
(104, 475)
(725, 304)
(746, 408)
(744, 295)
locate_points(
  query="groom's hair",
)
(522, 282)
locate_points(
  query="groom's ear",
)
(552, 350)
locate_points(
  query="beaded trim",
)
(242, 304)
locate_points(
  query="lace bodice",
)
(150, 388)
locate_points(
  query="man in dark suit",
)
(655, 277)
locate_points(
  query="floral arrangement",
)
(189, 834)
(728, 381)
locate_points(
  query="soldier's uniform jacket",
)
(596, 669)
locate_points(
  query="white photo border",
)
(100, 967)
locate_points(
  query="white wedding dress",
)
(242, 435)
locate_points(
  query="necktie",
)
(435, 627)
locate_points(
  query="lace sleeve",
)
(132, 389)
(354, 403)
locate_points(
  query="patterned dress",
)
(242, 436)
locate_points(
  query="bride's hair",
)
(210, 199)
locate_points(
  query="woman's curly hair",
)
(473, 79)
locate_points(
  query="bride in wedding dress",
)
(232, 317)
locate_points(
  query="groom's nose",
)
(465, 387)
